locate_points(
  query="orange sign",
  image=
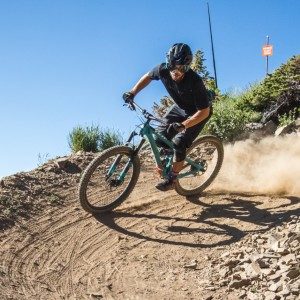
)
(267, 50)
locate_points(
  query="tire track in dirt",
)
(139, 250)
(60, 242)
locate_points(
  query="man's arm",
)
(196, 118)
(142, 83)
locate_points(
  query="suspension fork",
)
(114, 165)
(129, 163)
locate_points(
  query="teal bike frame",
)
(152, 135)
(149, 133)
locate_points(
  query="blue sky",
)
(65, 63)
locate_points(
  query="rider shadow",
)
(247, 211)
(237, 208)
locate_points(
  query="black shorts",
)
(184, 139)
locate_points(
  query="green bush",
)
(289, 118)
(92, 139)
(244, 99)
(233, 112)
(260, 96)
(9, 206)
(85, 139)
(109, 138)
(228, 120)
(263, 95)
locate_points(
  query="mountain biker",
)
(187, 117)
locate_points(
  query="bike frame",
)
(149, 133)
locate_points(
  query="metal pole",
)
(267, 66)
(212, 46)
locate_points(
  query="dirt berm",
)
(157, 245)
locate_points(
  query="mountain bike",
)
(110, 178)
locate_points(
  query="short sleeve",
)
(155, 73)
(201, 99)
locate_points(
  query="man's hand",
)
(175, 128)
(128, 97)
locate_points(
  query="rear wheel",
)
(102, 187)
(209, 152)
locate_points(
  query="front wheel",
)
(208, 151)
(109, 179)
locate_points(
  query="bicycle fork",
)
(128, 165)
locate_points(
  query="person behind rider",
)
(187, 117)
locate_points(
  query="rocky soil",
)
(263, 266)
(28, 193)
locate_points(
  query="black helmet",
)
(179, 54)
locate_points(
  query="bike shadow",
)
(205, 221)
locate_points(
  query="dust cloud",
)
(269, 166)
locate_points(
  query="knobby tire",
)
(88, 172)
(219, 147)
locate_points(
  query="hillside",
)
(157, 245)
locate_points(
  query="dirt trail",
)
(137, 252)
(142, 250)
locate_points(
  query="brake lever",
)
(129, 105)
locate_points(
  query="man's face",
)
(177, 73)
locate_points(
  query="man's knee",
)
(180, 149)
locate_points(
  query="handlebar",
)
(133, 105)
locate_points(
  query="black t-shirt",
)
(189, 93)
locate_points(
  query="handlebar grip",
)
(128, 97)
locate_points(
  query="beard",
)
(176, 76)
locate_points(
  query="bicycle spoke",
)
(207, 152)
(109, 180)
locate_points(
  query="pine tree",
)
(198, 66)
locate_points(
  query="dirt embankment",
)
(156, 245)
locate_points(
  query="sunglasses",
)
(179, 68)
